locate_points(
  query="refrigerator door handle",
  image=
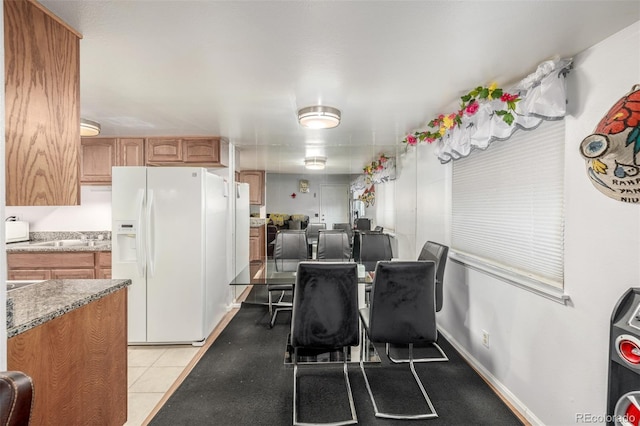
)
(150, 235)
(140, 254)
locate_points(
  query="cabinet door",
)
(42, 108)
(97, 156)
(131, 152)
(30, 274)
(104, 274)
(72, 274)
(164, 150)
(255, 179)
(201, 150)
(103, 265)
(256, 244)
(254, 248)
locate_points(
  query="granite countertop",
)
(37, 303)
(32, 246)
(75, 242)
(256, 222)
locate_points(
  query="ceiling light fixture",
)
(319, 117)
(89, 128)
(315, 163)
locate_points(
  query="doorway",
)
(334, 204)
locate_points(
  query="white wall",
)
(93, 213)
(281, 186)
(549, 358)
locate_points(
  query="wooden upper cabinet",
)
(255, 179)
(188, 151)
(42, 107)
(131, 152)
(98, 155)
(163, 150)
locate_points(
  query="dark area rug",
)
(242, 380)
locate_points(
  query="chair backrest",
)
(346, 227)
(290, 248)
(363, 224)
(438, 253)
(374, 247)
(333, 246)
(325, 305)
(16, 398)
(402, 304)
(312, 230)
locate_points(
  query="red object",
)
(633, 414)
(293, 195)
(630, 351)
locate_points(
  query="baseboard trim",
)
(518, 408)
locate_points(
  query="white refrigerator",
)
(169, 237)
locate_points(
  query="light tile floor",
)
(152, 370)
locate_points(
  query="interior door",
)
(334, 204)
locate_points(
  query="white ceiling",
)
(242, 69)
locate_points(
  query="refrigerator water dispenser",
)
(127, 236)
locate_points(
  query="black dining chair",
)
(347, 228)
(363, 224)
(325, 316)
(312, 235)
(438, 253)
(333, 246)
(374, 246)
(290, 248)
(402, 311)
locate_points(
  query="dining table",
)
(258, 278)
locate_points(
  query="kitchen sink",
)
(72, 243)
(16, 284)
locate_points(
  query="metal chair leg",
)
(402, 360)
(354, 418)
(280, 306)
(432, 414)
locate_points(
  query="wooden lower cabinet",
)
(78, 364)
(58, 266)
(257, 248)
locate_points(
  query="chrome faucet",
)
(82, 236)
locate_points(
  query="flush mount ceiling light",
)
(315, 163)
(319, 117)
(89, 128)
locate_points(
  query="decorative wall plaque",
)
(611, 152)
(304, 185)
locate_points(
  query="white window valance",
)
(543, 97)
(384, 173)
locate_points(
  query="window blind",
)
(507, 204)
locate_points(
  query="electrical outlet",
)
(485, 338)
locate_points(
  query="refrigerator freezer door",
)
(127, 193)
(175, 289)
(216, 288)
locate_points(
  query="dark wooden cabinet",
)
(42, 107)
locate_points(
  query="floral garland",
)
(369, 196)
(375, 166)
(469, 106)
